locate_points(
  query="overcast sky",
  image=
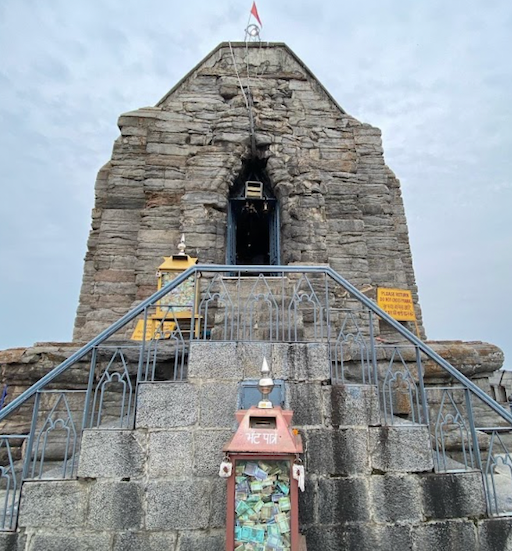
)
(435, 76)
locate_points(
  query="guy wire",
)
(247, 98)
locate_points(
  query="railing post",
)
(423, 394)
(30, 442)
(284, 321)
(238, 313)
(374, 359)
(88, 394)
(327, 311)
(142, 348)
(476, 451)
(472, 428)
(193, 313)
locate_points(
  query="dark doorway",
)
(253, 221)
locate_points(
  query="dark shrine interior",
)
(252, 215)
(252, 233)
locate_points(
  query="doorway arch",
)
(253, 236)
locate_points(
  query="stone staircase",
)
(156, 487)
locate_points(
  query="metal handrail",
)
(103, 336)
(363, 299)
(411, 337)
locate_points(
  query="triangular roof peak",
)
(234, 46)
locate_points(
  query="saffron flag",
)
(254, 11)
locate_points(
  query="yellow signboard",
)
(397, 303)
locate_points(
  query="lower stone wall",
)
(157, 487)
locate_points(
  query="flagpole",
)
(247, 26)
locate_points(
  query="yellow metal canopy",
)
(177, 263)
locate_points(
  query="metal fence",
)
(249, 303)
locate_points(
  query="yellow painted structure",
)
(177, 305)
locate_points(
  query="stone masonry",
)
(368, 487)
(173, 171)
(174, 164)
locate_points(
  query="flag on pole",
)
(254, 11)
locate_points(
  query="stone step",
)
(75, 506)
(108, 453)
(402, 448)
(354, 405)
(239, 361)
(157, 486)
(395, 497)
(9, 541)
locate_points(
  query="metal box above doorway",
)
(253, 190)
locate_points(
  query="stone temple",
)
(296, 222)
(180, 166)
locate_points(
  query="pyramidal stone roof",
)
(211, 59)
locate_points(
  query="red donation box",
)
(263, 469)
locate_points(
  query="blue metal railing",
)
(247, 303)
(413, 339)
(198, 269)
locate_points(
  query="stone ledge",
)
(352, 405)
(64, 541)
(305, 399)
(144, 541)
(339, 452)
(363, 537)
(208, 452)
(452, 534)
(495, 534)
(343, 500)
(170, 453)
(9, 541)
(214, 360)
(178, 505)
(239, 361)
(395, 498)
(218, 404)
(197, 541)
(116, 506)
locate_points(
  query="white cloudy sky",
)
(435, 76)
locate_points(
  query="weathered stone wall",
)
(368, 487)
(173, 166)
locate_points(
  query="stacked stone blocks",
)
(157, 486)
(174, 166)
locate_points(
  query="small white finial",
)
(264, 367)
(265, 385)
(181, 245)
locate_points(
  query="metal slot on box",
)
(262, 423)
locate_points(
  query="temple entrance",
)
(253, 223)
(253, 230)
